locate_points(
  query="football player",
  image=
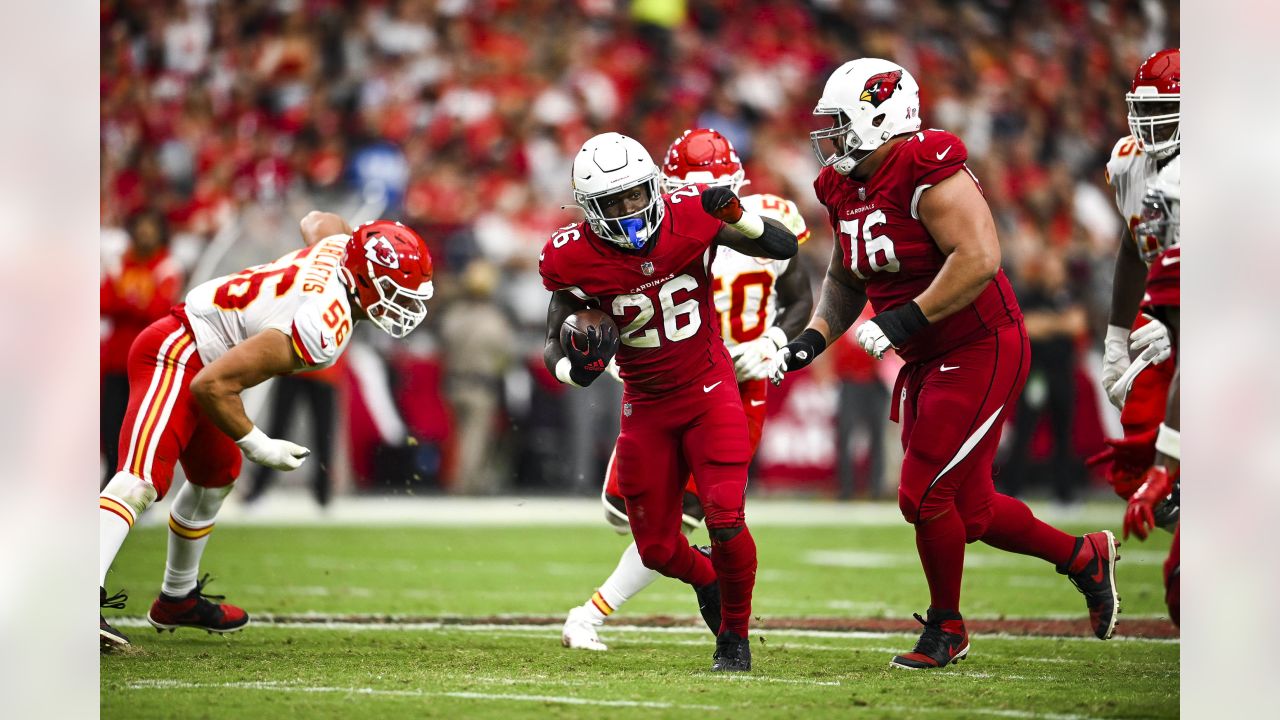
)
(644, 258)
(1140, 389)
(1157, 237)
(760, 302)
(915, 236)
(187, 370)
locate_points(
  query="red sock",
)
(735, 565)
(1015, 529)
(940, 543)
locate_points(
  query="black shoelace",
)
(116, 601)
(934, 639)
(198, 591)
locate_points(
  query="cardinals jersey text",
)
(1128, 172)
(300, 295)
(743, 285)
(660, 297)
(883, 242)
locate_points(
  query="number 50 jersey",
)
(883, 242)
(300, 295)
(660, 297)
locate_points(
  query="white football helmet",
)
(1158, 229)
(870, 100)
(610, 163)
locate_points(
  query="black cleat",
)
(944, 641)
(1093, 571)
(194, 610)
(110, 638)
(733, 653)
(709, 599)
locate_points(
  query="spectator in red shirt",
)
(134, 293)
(863, 404)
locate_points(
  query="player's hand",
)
(798, 354)
(872, 339)
(1115, 360)
(1129, 456)
(1139, 516)
(589, 353)
(722, 204)
(1151, 342)
(757, 359)
(272, 452)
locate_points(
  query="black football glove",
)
(589, 352)
(722, 204)
(798, 353)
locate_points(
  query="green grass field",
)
(491, 657)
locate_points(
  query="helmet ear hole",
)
(878, 120)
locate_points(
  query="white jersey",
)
(1128, 172)
(300, 295)
(743, 285)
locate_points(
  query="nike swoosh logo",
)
(944, 367)
(1167, 261)
(709, 388)
(757, 403)
(944, 153)
(324, 342)
(1098, 575)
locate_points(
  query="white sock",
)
(112, 530)
(190, 522)
(628, 579)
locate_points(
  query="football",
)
(577, 324)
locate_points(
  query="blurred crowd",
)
(462, 118)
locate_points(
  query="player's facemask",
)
(631, 231)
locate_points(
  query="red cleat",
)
(1093, 571)
(196, 611)
(944, 641)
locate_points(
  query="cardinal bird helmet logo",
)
(880, 87)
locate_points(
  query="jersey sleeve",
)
(1118, 168)
(689, 219)
(936, 156)
(313, 341)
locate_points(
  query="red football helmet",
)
(389, 269)
(702, 156)
(1155, 101)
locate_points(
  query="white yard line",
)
(506, 697)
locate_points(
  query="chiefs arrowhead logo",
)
(880, 87)
(378, 249)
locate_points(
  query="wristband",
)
(564, 370)
(750, 224)
(1168, 441)
(776, 334)
(900, 323)
(252, 439)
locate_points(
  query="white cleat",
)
(580, 631)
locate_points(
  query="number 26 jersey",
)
(300, 295)
(884, 243)
(660, 297)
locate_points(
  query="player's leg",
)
(212, 463)
(717, 447)
(157, 423)
(1173, 579)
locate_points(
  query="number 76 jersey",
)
(300, 295)
(883, 242)
(660, 297)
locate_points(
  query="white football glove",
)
(758, 359)
(1115, 361)
(872, 339)
(278, 454)
(779, 369)
(1152, 342)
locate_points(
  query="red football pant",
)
(700, 429)
(952, 409)
(164, 425)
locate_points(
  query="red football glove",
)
(1130, 456)
(720, 203)
(1139, 517)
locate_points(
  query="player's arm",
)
(1157, 484)
(747, 232)
(562, 305)
(588, 354)
(1129, 281)
(218, 385)
(795, 299)
(959, 220)
(317, 225)
(840, 302)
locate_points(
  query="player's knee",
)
(656, 556)
(196, 505)
(130, 493)
(724, 534)
(909, 504)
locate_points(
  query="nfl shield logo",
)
(646, 267)
(862, 193)
(626, 407)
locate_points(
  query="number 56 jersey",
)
(660, 297)
(300, 295)
(884, 243)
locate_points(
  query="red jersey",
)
(660, 297)
(1164, 280)
(884, 243)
